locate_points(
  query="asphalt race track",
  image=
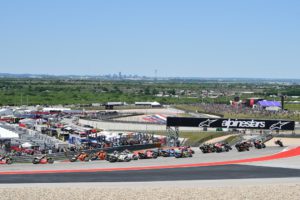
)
(230, 165)
(193, 173)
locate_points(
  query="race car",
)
(147, 154)
(82, 156)
(222, 147)
(5, 160)
(207, 148)
(158, 151)
(242, 146)
(279, 142)
(183, 154)
(131, 155)
(188, 148)
(100, 155)
(118, 157)
(259, 144)
(168, 153)
(43, 160)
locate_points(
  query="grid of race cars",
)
(127, 156)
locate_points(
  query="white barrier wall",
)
(117, 126)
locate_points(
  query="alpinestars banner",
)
(231, 123)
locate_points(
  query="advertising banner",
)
(231, 123)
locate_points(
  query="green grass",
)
(233, 139)
(292, 107)
(184, 115)
(196, 138)
(188, 108)
(193, 108)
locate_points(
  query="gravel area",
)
(289, 191)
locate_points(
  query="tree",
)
(147, 91)
(154, 91)
(172, 92)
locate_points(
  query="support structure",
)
(173, 136)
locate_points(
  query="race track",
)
(194, 173)
(229, 165)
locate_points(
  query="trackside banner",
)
(231, 123)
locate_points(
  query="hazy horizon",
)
(162, 77)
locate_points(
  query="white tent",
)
(55, 109)
(5, 111)
(155, 104)
(273, 108)
(27, 121)
(26, 145)
(68, 128)
(7, 134)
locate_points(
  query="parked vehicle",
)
(43, 160)
(6, 160)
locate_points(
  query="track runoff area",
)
(271, 162)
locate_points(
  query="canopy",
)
(7, 134)
(68, 128)
(273, 108)
(26, 145)
(266, 103)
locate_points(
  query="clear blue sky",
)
(211, 38)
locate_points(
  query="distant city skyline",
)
(238, 39)
(117, 76)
